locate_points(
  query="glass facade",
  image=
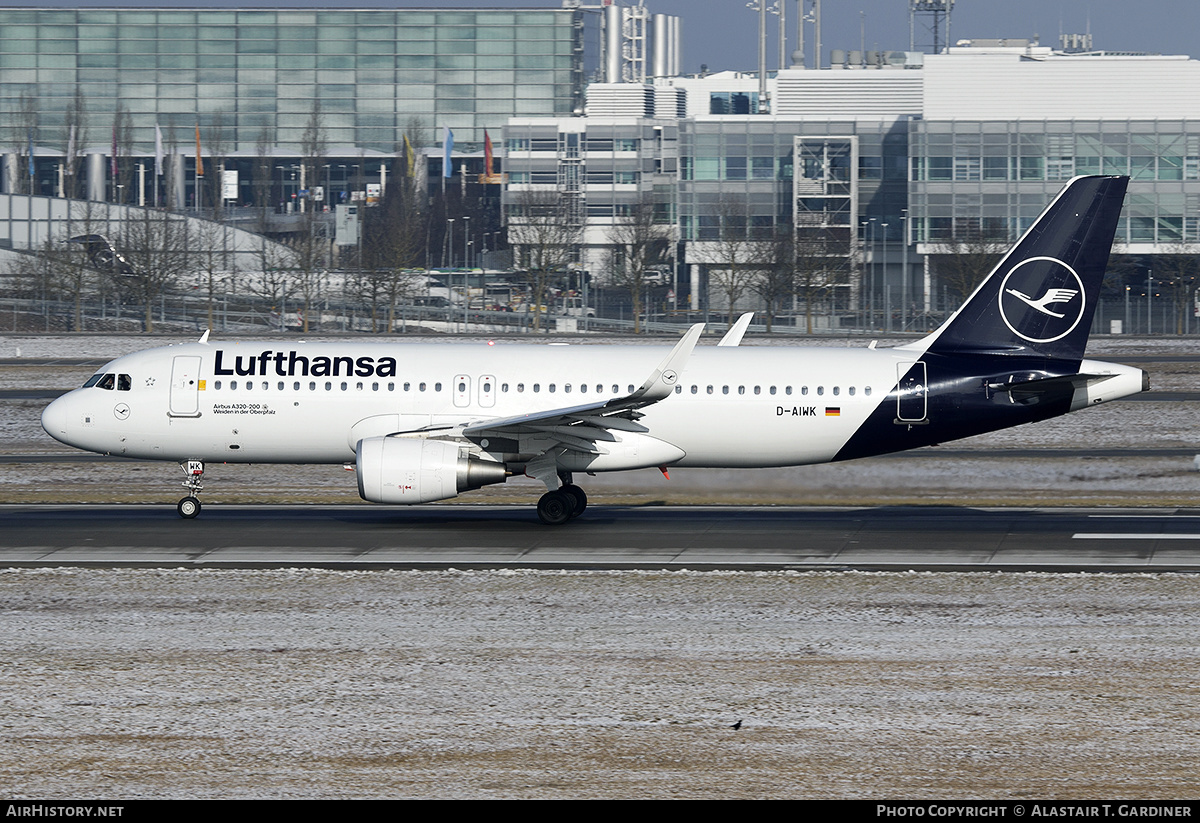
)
(249, 76)
(997, 176)
(752, 158)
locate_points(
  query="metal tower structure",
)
(934, 19)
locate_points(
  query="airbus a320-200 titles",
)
(427, 422)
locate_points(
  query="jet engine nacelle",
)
(403, 470)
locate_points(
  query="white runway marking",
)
(1116, 536)
(1149, 516)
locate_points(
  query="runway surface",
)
(605, 537)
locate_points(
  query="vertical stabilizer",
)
(1040, 298)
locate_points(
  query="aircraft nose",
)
(55, 418)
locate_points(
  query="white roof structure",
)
(1035, 84)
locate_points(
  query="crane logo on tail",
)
(1041, 299)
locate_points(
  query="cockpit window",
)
(93, 380)
(124, 382)
(108, 381)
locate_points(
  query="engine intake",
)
(401, 470)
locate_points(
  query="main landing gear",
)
(189, 506)
(562, 504)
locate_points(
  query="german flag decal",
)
(833, 411)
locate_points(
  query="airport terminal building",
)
(913, 157)
(902, 155)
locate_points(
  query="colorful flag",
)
(410, 158)
(158, 151)
(833, 411)
(447, 150)
(487, 154)
(199, 159)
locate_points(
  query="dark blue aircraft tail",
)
(1040, 298)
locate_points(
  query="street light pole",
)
(904, 270)
(887, 292)
(466, 235)
(1149, 301)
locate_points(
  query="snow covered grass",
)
(265, 684)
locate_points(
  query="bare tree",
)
(776, 282)
(963, 260)
(263, 148)
(274, 279)
(393, 241)
(218, 146)
(33, 274)
(545, 241)
(308, 258)
(734, 258)
(157, 246)
(640, 241)
(23, 134)
(172, 156)
(215, 262)
(824, 260)
(1177, 270)
(75, 133)
(77, 273)
(123, 140)
(313, 145)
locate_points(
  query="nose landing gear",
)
(189, 507)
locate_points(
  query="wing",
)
(584, 427)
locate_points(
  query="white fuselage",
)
(733, 407)
(282, 402)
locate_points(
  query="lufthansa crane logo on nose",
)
(1041, 299)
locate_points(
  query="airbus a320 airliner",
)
(426, 422)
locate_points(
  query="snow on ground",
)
(268, 684)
